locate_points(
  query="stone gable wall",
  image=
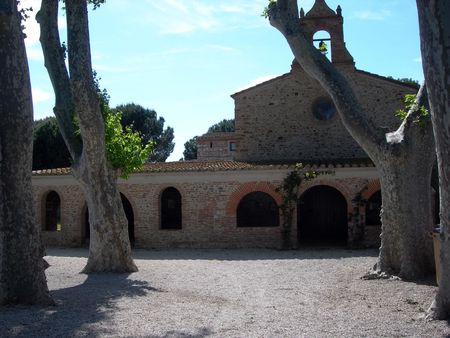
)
(274, 120)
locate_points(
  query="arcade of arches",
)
(226, 214)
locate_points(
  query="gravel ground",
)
(227, 293)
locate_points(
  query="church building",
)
(228, 197)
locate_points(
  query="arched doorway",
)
(171, 209)
(257, 209)
(322, 216)
(52, 220)
(128, 213)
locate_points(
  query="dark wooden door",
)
(322, 215)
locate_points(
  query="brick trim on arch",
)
(372, 187)
(42, 201)
(247, 188)
(331, 183)
(184, 203)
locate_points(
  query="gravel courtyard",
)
(227, 293)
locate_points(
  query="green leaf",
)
(422, 118)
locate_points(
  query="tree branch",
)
(421, 100)
(283, 15)
(54, 56)
(85, 96)
(409, 127)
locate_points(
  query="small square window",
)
(232, 146)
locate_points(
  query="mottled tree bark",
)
(22, 276)
(403, 157)
(76, 96)
(435, 42)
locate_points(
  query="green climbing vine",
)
(289, 190)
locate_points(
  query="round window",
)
(324, 109)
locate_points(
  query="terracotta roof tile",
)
(205, 166)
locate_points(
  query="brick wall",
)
(209, 203)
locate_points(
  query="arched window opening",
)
(129, 214)
(258, 209)
(373, 209)
(322, 41)
(171, 217)
(52, 212)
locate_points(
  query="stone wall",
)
(216, 146)
(274, 120)
(209, 203)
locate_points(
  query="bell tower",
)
(323, 18)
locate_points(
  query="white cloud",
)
(40, 95)
(180, 17)
(373, 15)
(257, 81)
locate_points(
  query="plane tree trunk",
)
(77, 100)
(22, 276)
(435, 42)
(404, 157)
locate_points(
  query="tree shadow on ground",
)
(78, 307)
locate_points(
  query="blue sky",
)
(185, 58)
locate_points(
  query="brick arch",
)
(42, 199)
(43, 194)
(372, 187)
(180, 190)
(164, 187)
(247, 188)
(184, 203)
(129, 196)
(331, 183)
(83, 209)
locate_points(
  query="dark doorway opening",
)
(171, 214)
(322, 217)
(373, 209)
(52, 212)
(128, 213)
(257, 209)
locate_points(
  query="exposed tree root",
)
(376, 274)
